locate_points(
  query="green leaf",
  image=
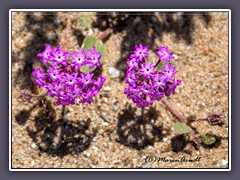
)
(88, 43)
(182, 128)
(160, 66)
(174, 62)
(69, 59)
(85, 69)
(48, 98)
(100, 48)
(207, 139)
(191, 138)
(191, 117)
(85, 21)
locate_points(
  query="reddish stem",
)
(105, 33)
(174, 111)
(157, 63)
(68, 28)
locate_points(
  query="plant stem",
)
(68, 28)
(174, 111)
(157, 63)
(142, 113)
(63, 114)
(105, 33)
(201, 119)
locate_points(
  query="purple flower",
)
(146, 84)
(46, 54)
(131, 78)
(39, 82)
(131, 92)
(156, 96)
(140, 52)
(73, 92)
(132, 64)
(63, 100)
(146, 89)
(169, 71)
(100, 81)
(147, 70)
(59, 57)
(63, 80)
(53, 89)
(93, 57)
(164, 54)
(79, 59)
(88, 96)
(86, 79)
(171, 86)
(71, 79)
(159, 81)
(39, 77)
(53, 73)
(141, 102)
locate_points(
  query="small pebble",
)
(107, 88)
(33, 145)
(58, 21)
(32, 163)
(224, 162)
(87, 154)
(175, 56)
(105, 124)
(90, 32)
(115, 107)
(105, 100)
(165, 139)
(95, 148)
(113, 71)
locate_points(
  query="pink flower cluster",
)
(146, 84)
(63, 78)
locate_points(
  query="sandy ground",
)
(107, 133)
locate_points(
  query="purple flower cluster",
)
(63, 79)
(146, 84)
